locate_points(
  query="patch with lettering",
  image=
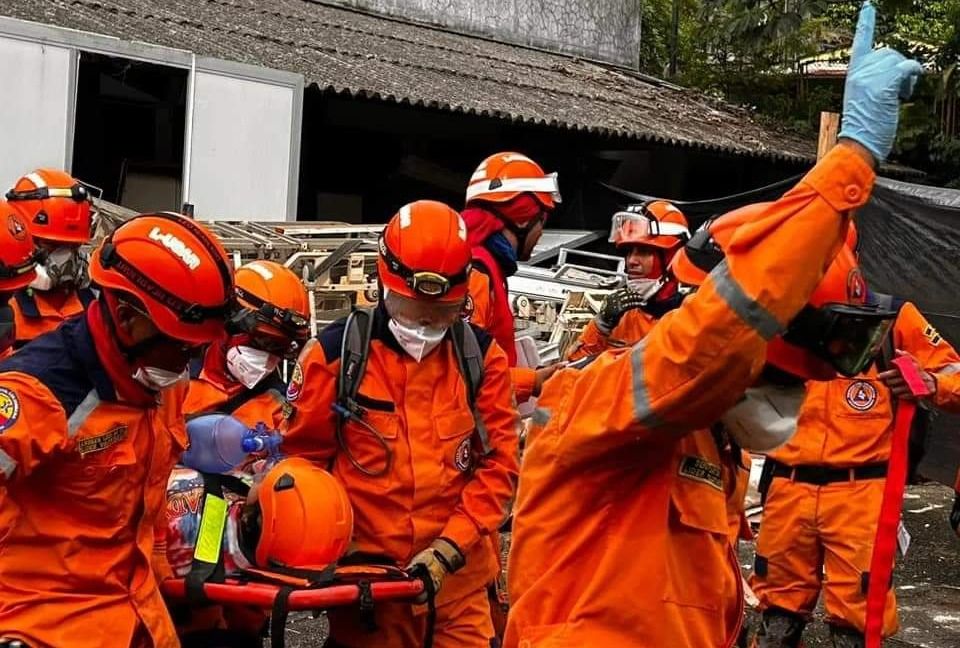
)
(463, 458)
(861, 396)
(701, 470)
(103, 441)
(468, 308)
(296, 383)
(9, 409)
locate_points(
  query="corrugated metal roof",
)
(362, 55)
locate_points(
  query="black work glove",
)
(616, 305)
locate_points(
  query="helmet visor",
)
(634, 228)
(848, 337)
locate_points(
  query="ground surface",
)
(927, 582)
(927, 579)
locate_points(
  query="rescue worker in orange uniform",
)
(91, 424)
(57, 209)
(508, 201)
(240, 375)
(18, 260)
(822, 507)
(428, 478)
(620, 523)
(649, 236)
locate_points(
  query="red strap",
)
(262, 595)
(885, 541)
(501, 326)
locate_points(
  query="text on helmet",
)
(178, 247)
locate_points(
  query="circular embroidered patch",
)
(296, 383)
(9, 409)
(16, 227)
(463, 458)
(468, 308)
(861, 396)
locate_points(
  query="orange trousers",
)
(461, 623)
(820, 537)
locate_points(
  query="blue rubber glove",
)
(876, 82)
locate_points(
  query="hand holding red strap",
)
(885, 542)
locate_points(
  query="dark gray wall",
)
(602, 29)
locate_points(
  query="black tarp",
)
(910, 247)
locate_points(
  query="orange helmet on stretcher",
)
(836, 332)
(306, 518)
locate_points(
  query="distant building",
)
(294, 109)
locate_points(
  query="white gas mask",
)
(417, 341)
(647, 288)
(765, 418)
(249, 366)
(65, 265)
(157, 379)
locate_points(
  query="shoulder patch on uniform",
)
(861, 396)
(931, 334)
(468, 308)
(296, 383)
(9, 409)
(101, 442)
(463, 459)
(701, 470)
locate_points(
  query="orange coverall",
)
(37, 312)
(620, 533)
(83, 479)
(480, 311)
(432, 486)
(632, 328)
(844, 423)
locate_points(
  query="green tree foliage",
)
(757, 52)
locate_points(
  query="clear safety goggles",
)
(848, 337)
(422, 282)
(295, 326)
(632, 226)
(548, 185)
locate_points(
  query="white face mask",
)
(157, 379)
(249, 366)
(63, 265)
(419, 341)
(765, 418)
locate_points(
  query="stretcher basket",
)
(364, 593)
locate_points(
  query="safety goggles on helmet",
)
(186, 312)
(79, 192)
(423, 282)
(631, 226)
(848, 337)
(246, 320)
(547, 184)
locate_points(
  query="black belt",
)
(823, 475)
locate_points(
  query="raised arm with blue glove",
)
(876, 82)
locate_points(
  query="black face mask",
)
(8, 330)
(848, 337)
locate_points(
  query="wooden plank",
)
(829, 127)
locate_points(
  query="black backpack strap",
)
(207, 565)
(354, 351)
(86, 296)
(278, 617)
(470, 358)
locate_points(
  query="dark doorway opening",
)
(129, 134)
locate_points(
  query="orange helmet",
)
(656, 224)
(835, 332)
(424, 253)
(17, 252)
(175, 267)
(306, 517)
(504, 176)
(271, 299)
(56, 205)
